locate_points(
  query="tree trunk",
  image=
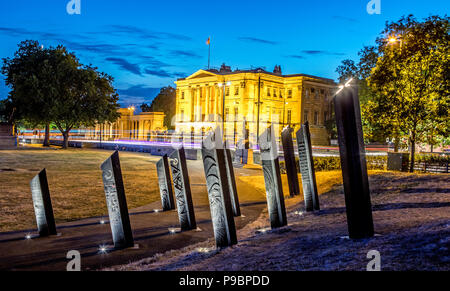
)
(431, 148)
(66, 140)
(47, 136)
(412, 143)
(396, 143)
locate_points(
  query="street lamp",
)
(394, 39)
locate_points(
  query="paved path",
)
(150, 230)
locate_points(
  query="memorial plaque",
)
(353, 163)
(232, 183)
(165, 184)
(289, 161)
(43, 205)
(182, 188)
(272, 179)
(117, 203)
(307, 171)
(220, 202)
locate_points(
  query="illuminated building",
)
(252, 95)
(130, 126)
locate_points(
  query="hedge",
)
(334, 163)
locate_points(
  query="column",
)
(199, 104)
(207, 103)
(215, 102)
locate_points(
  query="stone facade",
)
(130, 126)
(283, 100)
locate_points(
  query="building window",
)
(316, 118)
(322, 91)
(305, 116)
(281, 93)
(325, 117)
(236, 113)
(274, 92)
(200, 92)
(236, 90)
(182, 95)
(227, 111)
(289, 116)
(182, 115)
(289, 93)
(268, 92)
(307, 92)
(227, 91)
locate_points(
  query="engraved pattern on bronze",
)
(306, 163)
(116, 202)
(218, 192)
(182, 189)
(165, 184)
(272, 179)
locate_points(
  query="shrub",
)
(334, 163)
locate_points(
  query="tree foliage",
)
(51, 86)
(407, 84)
(165, 102)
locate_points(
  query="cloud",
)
(163, 73)
(297, 57)
(124, 64)
(144, 33)
(181, 53)
(257, 40)
(136, 95)
(140, 90)
(319, 52)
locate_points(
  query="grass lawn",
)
(75, 183)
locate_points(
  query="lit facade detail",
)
(283, 100)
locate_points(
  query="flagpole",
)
(209, 54)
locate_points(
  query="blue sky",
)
(148, 44)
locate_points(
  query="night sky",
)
(148, 44)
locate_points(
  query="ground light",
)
(103, 249)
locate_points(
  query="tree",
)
(29, 76)
(411, 79)
(52, 86)
(360, 71)
(165, 102)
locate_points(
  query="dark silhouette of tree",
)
(51, 86)
(165, 102)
